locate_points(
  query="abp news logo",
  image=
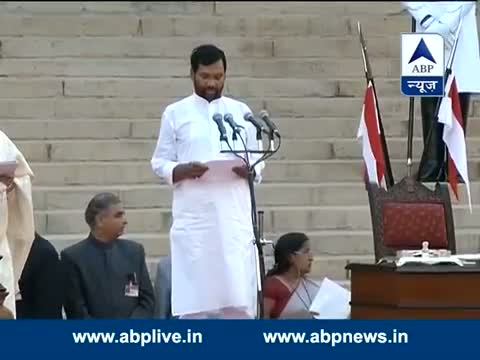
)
(422, 64)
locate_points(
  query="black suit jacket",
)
(41, 283)
(96, 276)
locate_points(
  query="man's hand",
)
(8, 182)
(192, 170)
(241, 171)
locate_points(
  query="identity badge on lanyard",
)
(131, 289)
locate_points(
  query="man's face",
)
(209, 80)
(112, 222)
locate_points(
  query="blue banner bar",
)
(268, 339)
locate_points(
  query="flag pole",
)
(411, 119)
(369, 78)
(448, 72)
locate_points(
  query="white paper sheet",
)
(331, 302)
(467, 256)
(7, 168)
(221, 170)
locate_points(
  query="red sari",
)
(290, 303)
(278, 291)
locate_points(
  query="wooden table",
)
(385, 291)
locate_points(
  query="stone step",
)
(295, 67)
(343, 107)
(156, 245)
(180, 47)
(152, 265)
(336, 47)
(36, 129)
(397, 148)
(19, 87)
(244, 87)
(140, 149)
(155, 195)
(118, 47)
(134, 129)
(11, 88)
(304, 7)
(282, 171)
(273, 194)
(108, 129)
(268, 24)
(199, 8)
(110, 108)
(111, 7)
(68, 25)
(276, 171)
(326, 265)
(256, 25)
(79, 108)
(237, 87)
(324, 243)
(277, 219)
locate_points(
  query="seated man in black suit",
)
(41, 283)
(107, 277)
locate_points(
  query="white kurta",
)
(17, 229)
(211, 238)
(466, 63)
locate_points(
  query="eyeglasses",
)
(303, 252)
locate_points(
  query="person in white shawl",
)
(17, 229)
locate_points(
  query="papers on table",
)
(429, 260)
(331, 302)
(460, 259)
(7, 168)
(467, 256)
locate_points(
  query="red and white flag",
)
(369, 132)
(450, 114)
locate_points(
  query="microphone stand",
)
(257, 220)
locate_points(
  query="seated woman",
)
(288, 293)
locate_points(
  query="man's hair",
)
(99, 203)
(207, 55)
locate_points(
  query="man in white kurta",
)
(211, 238)
(443, 17)
(17, 229)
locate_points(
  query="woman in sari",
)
(288, 293)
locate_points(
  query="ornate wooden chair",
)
(408, 214)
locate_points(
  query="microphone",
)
(228, 118)
(273, 128)
(251, 119)
(221, 128)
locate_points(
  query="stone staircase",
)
(83, 85)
